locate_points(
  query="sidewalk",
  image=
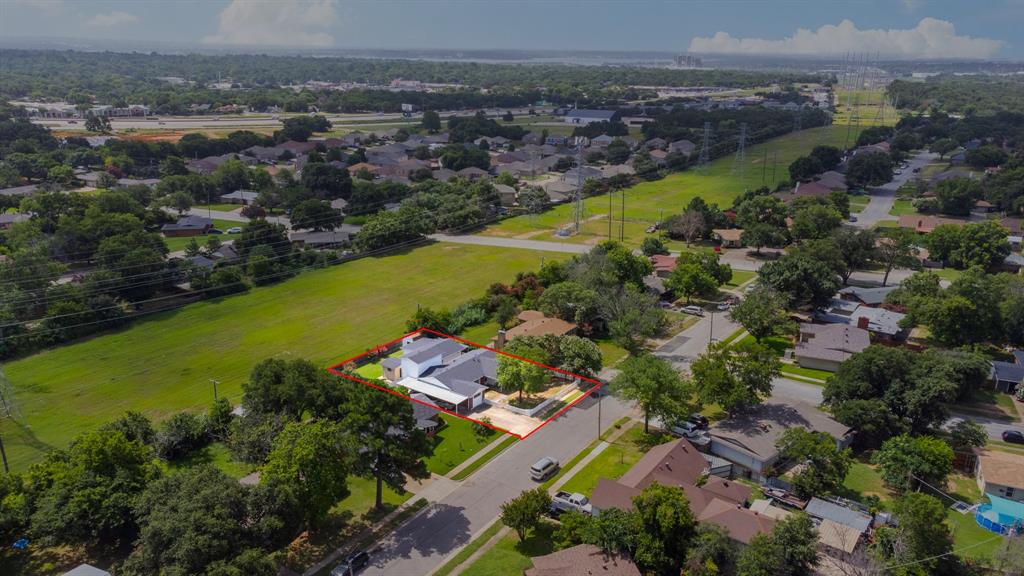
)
(479, 454)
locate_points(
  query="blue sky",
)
(907, 28)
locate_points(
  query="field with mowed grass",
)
(648, 202)
(162, 364)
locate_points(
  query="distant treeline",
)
(115, 78)
(962, 94)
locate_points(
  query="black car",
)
(700, 420)
(353, 563)
(1014, 436)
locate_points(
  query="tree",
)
(734, 376)
(761, 209)
(134, 426)
(617, 151)
(651, 246)
(287, 387)
(957, 196)
(1009, 557)
(94, 123)
(905, 461)
(966, 434)
(942, 146)
(698, 274)
(179, 435)
(856, 248)
(515, 375)
(188, 521)
(524, 512)
(790, 549)
(986, 156)
(829, 156)
(431, 121)
(654, 385)
(763, 235)
(714, 552)
(579, 355)
(803, 281)
(762, 313)
(569, 301)
(872, 419)
(824, 464)
(260, 233)
(666, 528)
(86, 493)
(326, 181)
(315, 215)
(873, 169)
(897, 249)
(816, 222)
(921, 538)
(392, 447)
(633, 316)
(689, 226)
(311, 461)
(804, 168)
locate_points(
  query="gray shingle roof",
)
(426, 348)
(818, 508)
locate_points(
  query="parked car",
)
(700, 420)
(916, 170)
(234, 230)
(685, 428)
(853, 218)
(1013, 436)
(353, 563)
(695, 310)
(723, 306)
(215, 231)
(574, 502)
(543, 469)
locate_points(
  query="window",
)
(1009, 492)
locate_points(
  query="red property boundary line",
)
(336, 370)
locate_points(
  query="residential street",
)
(883, 197)
(542, 245)
(422, 544)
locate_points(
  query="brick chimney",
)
(862, 322)
(499, 341)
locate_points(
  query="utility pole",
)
(578, 215)
(214, 382)
(622, 224)
(599, 397)
(739, 162)
(3, 453)
(609, 214)
(702, 160)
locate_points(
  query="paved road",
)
(693, 341)
(883, 197)
(421, 545)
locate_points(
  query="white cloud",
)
(931, 38)
(111, 19)
(276, 23)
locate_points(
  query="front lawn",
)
(777, 344)
(180, 242)
(902, 207)
(455, 443)
(510, 557)
(740, 277)
(793, 369)
(612, 462)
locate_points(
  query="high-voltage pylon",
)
(739, 162)
(578, 209)
(705, 153)
(8, 405)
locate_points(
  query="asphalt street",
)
(883, 197)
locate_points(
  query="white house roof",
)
(86, 570)
(432, 389)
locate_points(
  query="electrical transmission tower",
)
(8, 406)
(702, 160)
(739, 162)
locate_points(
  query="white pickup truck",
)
(574, 502)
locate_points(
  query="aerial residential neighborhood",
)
(317, 287)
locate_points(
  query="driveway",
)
(422, 544)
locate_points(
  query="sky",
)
(894, 28)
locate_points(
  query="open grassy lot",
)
(864, 110)
(612, 462)
(163, 363)
(740, 277)
(223, 207)
(455, 443)
(510, 556)
(648, 202)
(902, 207)
(179, 243)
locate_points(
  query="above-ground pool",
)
(993, 521)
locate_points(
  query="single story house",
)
(318, 239)
(472, 173)
(1000, 473)
(839, 528)
(832, 180)
(883, 324)
(748, 440)
(26, 190)
(533, 323)
(663, 265)
(1012, 263)
(559, 191)
(297, 148)
(678, 463)
(583, 173)
(445, 371)
(584, 116)
(923, 224)
(507, 194)
(656, 144)
(187, 226)
(86, 570)
(7, 219)
(1008, 376)
(826, 346)
(582, 559)
(243, 197)
(729, 237)
(873, 296)
(612, 170)
(684, 147)
(804, 190)
(444, 174)
(602, 141)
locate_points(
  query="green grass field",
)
(902, 207)
(648, 202)
(163, 363)
(611, 463)
(509, 557)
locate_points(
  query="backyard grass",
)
(648, 202)
(163, 363)
(612, 462)
(180, 242)
(863, 480)
(455, 443)
(217, 455)
(510, 557)
(902, 207)
(487, 457)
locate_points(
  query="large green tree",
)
(790, 549)
(524, 512)
(762, 313)
(824, 464)
(805, 282)
(312, 461)
(922, 538)
(735, 377)
(654, 385)
(666, 529)
(905, 462)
